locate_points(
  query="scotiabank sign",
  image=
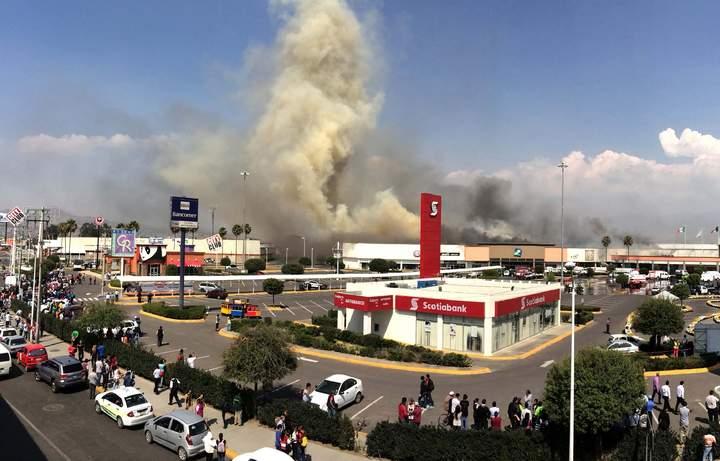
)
(521, 303)
(363, 303)
(440, 306)
(430, 234)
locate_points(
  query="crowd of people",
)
(290, 440)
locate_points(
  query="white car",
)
(126, 405)
(7, 332)
(128, 324)
(623, 337)
(625, 347)
(347, 390)
(264, 454)
(204, 287)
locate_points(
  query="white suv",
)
(204, 287)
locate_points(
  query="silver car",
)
(180, 430)
(14, 343)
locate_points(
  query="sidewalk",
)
(241, 439)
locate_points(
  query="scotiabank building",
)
(452, 314)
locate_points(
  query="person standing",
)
(464, 412)
(708, 447)
(422, 399)
(679, 395)
(92, 382)
(174, 389)
(476, 413)
(306, 393)
(217, 322)
(80, 350)
(665, 391)
(496, 422)
(221, 447)
(711, 403)
(191, 361)
(484, 415)
(160, 334)
(156, 378)
(684, 421)
(332, 405)
(402, 411)
(430, 387)
(238, 407)
(528, 399)
(607, 326)
(655, 386)
(180, 357)
(209, 446)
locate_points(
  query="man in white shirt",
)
(665, 393)
(191, 361)
(679, 394)
(454, 403)
(494, 409)
(711, 405)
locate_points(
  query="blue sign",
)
(427, 283)
(184, 212)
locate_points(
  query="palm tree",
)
(222, 232)
(627, 242)
(237, 230)
(71, 228)
(133, 225)
(121, 226)
(606, 243)
(63, 231)
(247, 229)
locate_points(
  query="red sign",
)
(521, 303)
(363, 303)
(440, 306)
(99, 220)
(430, 234)
(191, 260)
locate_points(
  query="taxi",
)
(30, 356)
(126, 405)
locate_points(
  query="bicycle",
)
(444, 421)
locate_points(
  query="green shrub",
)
(292, 268)
(171, 269)
(632, 446)
(694, 444)
(137, 359)
(583, 317)
(115, 283)
(17, 305)
(225, 261)
(323, 320)
(680, 363)
(305, 261)
(171, 312)
(319, 426)
(456, 360)
(254, 265)
(404, 442)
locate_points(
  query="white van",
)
(5, 361)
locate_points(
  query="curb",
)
(165, 319)
(712, 303)
(347, 358)
(686, 371)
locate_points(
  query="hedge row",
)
(336, 431)
(580, 308)
(680, 363)
(347, 342)
(174, 312)
(581, 317)
(115, 283)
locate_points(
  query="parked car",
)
(313, 285)
(347, 390)
(14, 343)
(181, 431)
(126, 405)
(5, 361)
(78, 265)
(204, 287)
(129, 324)
(217, 293)
(61, 373)
(30, 356)
(264, 454)
(5, 332)
(623, 337)
(625, 347)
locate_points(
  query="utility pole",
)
(183, 231)
(212, 220)
(244, 174)
(37, 279)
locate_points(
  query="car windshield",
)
(198, 428)
(72, 368)
(37, 352)
(17, 341)
(135, 400)
(327, 387)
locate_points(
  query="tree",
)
(590, 272)
(607, 385)
(305, 261)
(378, 265)
(261, 355)
(254, 265)
(71, 228)
(247, 228)
(627, 242)
(133, 225)
(91, 230)
(681, 290)
(273, 287)
(292, 269)
(225, 261)
(658, 317)
(332, 262)
(237, 231)
(222, 232)
(392, 265)
(52, 231)
(693, 280)
(97, 316)
(606, 243)
(550, 277)
(622, 279)
(491, 274)
(120, 225)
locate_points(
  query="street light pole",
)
(244, 174)
(562, 167)
(286, 255)
(212, 220)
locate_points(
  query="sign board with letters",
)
(184, 212)
(123, 243)
(430, 234)
(214, 242)
(440, 306)
(521, 303)
(363, 303)
(15, 216)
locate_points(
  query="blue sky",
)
(476, 84)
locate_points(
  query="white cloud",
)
(691, 143)
(463, 177)
(72, 144)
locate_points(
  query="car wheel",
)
(148, 437)
(358, 397)
(37, 377)
(182, 454)
(98, 410)
(120, 423)
(53, 386)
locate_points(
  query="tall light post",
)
(337, 254)
(562, 167)
(302, 237)
(212, 220)
(244, 174)
(286, 255)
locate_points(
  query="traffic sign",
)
(184, 212)
(15, 216)
(99, 221)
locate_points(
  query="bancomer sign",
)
(363, 303)
(440, 306)
(522, 303)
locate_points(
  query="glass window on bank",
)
(512, 328)
(426, 330)
(459, 333)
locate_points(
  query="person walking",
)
(665, 391)
(708, 447)
(80, 350)
(711, 404)
(664, 420)
(174, 389)
(655, 386)
(150, 297)
(156, 378)
(160, 334)
(221, 447)
(679, 395)
(684, 421)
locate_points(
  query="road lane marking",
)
(318, 305)
(268, 309)
(303, 307)
(166, 352)
(329, 302)
(216, 368)
(285, 385)
(304, 359)
(287, 308)
(547, 364)
(367, 406)
(202, 357)
(35, 428)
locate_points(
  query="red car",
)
(31, 356)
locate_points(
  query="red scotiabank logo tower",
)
(430, 234)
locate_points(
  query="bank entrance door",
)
(515, 333)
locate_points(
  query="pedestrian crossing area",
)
(88, 300)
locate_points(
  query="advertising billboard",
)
(430, 234)
(123, 243)
(184, 212)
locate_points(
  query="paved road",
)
(64, 427)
